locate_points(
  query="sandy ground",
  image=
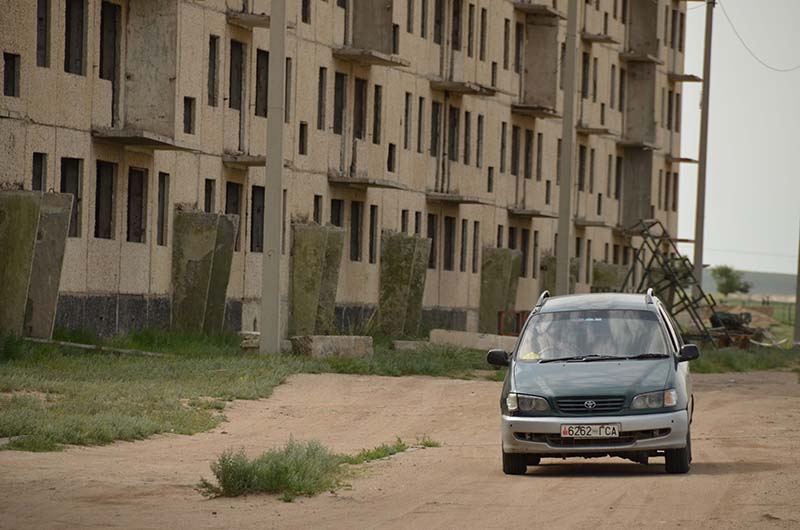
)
(746, 470)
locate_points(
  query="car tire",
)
(514, 464)
(533, 460)
(678, 461)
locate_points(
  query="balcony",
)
(243, 160)
(632, 56)
(454, 198)
(538, 10)
(531, 213)
(361, 182)
(680, 160)
(127, 136)
(375, 36)
(462, 87)
(677, 77)
(247, 20)
(535, 111)
(598, 38)
(367, 57)
(541, 92)
(587, 130)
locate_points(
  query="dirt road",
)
(746, 471)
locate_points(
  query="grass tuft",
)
(296, 469)
(736, 360)
(427, 441)
(382, 451)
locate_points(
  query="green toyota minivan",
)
(597, 375)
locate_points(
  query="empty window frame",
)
(455, 33)
(404, 221)
(262, 82)
(528, 154)
(622, 90)
(210, 196)
(373, 233)
(75, 37)
(356, 220)
(519, 35)
(407, 121)
(39, 172)
(581, 168)
(467, 137)
(322, 97)
(613, 88)
(417, 224)
(438, 20)
(377, 111)
(339, 102)
(233, 205)
(162, 212)
(525, 245)
(109, 41)
(236, 75)
(470, 30)
(423, 22)
(512, 237)
(539, 155)
(104, 200)
(137, 205)
(677, 112)
(287, 92)
(454, 114)
(436, 125)
(594, 79)
(503, 147)
(506, 43)
(670, 109)
(433, 235)
(558, 162)
(674, 192)
(548, 190)
(515, 139)
(72, 183)
(43, 33)
(449, 243)
(479, 147)
(500, 231)
(591, 169)
(305, 11)
(360, 109)
(188, 115)
(213, 69)
(462, 265)
(410, 16)
(482, 43)
(618, 179)
(337, 212)
(535, 271)
(317, 212)
(585, 76)
(11, 74)
(476, 245)
(421, 125)
(391, 158)
(257, 219)
(302, 141)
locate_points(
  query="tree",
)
(729, 280)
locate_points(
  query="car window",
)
(673, 335)
(618, 333)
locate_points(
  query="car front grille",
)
(590, 405)
(625, 438)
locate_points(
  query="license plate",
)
(608, 430)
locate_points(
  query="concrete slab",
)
(19, 219)
(476, 341)
(131, 313)
(158, 312)
(100, 315)
(227, 228)
(48, 258)
(193, 243)
(397, 264)
(70, 312)
(548, 269)
(607, 277)
(416, 287)
(495, 276)
(319, 346)
(308, 256)
(326, 311)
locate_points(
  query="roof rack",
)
(542, 298)
(648, 296)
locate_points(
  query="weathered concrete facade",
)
(441, 123)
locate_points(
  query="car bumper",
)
(643, 432)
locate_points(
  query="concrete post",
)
(270, 341)
(700, 214)
(565, 226)
(797, 301)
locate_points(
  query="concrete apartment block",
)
(437, 119)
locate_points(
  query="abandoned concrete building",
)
(435, 118)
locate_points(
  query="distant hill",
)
(764, 283)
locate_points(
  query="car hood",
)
(594, 378)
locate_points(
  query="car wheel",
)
(679, 460)
(514, 464)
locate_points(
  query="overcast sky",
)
(753, 193)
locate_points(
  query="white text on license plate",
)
(607, 430)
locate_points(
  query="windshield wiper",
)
(583, 358)
(648, 356)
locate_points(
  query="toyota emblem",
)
(589, 404)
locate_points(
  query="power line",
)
(751, 252)
(750, 51)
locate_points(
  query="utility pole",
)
(565, 226)
(797, 301)
(700, 214)
(270, 340)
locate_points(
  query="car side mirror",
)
(497, 358)
(689, 352)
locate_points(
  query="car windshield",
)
(591, 334)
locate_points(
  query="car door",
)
(683, 373)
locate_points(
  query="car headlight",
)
(656, 400)
(522, 403)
